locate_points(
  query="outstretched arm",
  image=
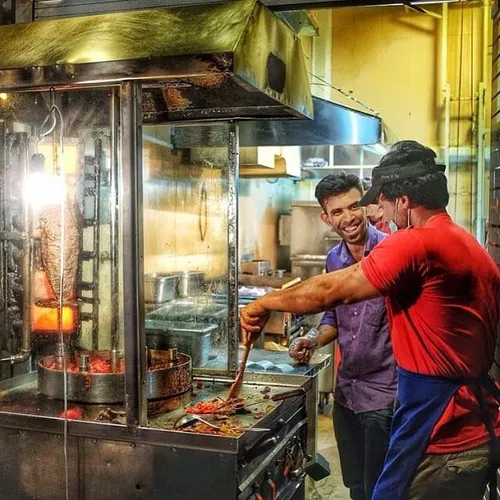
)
(314, 295)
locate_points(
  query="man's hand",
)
(303, 349)
(253, 318)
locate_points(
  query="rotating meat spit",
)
(91, 379)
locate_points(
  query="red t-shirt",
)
(442, 293)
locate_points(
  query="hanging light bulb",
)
(45, 189)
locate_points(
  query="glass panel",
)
(186, 246)
(58, 254)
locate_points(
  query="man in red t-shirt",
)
(442, 293)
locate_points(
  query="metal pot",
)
(159, 288)
(86, 387)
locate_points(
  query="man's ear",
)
(324, 218)
(405, 202)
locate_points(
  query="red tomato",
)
(203, 408)
(100, 366)
(75, 413)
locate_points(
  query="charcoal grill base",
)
(109, 388)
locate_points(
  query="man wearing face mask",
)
(366, 382)
(374, 213)
(442, 292)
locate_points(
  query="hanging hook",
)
(52, 94)
(51, 114)
(51, 129)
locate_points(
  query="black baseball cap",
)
(402, 162)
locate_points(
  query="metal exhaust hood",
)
(333, 124)
(272, 148)
(275, 149)
(229, 60)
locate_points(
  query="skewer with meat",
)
(51, 245)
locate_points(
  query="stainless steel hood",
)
(276, 148)
(235, 59)
(333, 124)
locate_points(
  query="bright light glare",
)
(3, 96)
(42, 189)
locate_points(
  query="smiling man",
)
(366, 380)
(442, 292)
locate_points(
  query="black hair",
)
(429, 190)
(335, 184)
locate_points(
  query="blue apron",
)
(422, 400)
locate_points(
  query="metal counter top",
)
(276, 358)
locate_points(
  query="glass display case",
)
(62, 254)
(118, 255)
(60, 293)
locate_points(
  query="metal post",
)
(481, 129)
(114, 238)
(447, 122)
(132, 253)
(96, 237)
(3, 247)
(232, 252)
(445, 87)
(480, 165)
(312, 402)
(26, 258)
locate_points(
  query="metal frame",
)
(115, 217)
(133, 253)
(45, 8)
(108, 72)
(232, 233)
(279, 5)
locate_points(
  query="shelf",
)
(321, 172)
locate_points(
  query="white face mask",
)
(393, 227)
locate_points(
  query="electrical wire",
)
(61, 300)
(57, 115)
(349, 95)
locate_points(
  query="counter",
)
(318, 362)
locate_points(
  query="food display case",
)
(118, 257)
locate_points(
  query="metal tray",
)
(190, 338)
(160, 288)
(191, 312)
(191, 283)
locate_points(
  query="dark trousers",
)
(457, 476)
(362, 440)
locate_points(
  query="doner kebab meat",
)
(50, 235)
